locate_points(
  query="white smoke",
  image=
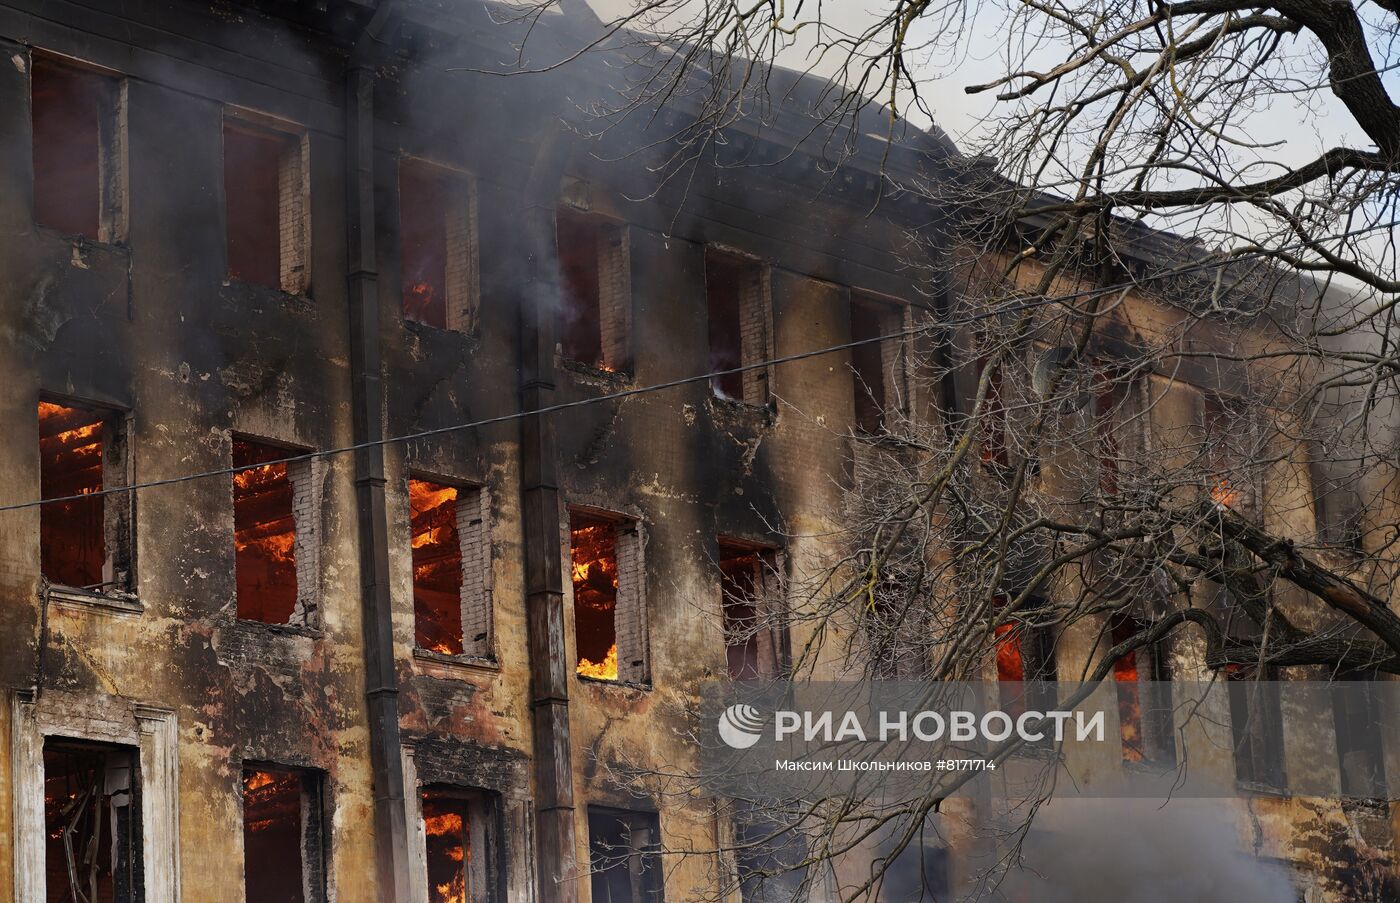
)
(1143, 851)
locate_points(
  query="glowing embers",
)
(1224, 495)
(580, 297)
(424, 198)
(92, 826)
(72, 534)
(447, 836)
(593, 541)
(274, 835)
(1025, 661)
(437, 567)
(264, 534)
(73, 121)
(1125, 680)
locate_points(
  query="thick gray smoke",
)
(1141, 851)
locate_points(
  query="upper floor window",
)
(736, 292)
(266, 199)
(438, 246)
(451, 568)
(755, 638)
(78, 148)
(1232, 436)
(276, 512)
(993, 442)
(878, 364)
(610, 625)
(595, 296)
(84, 541)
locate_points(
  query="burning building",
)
(258, 241)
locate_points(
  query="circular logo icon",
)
(741, 726)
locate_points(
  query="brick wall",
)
(308, 485)
(293, 190)
(615, 296)
(631, 614)
(463, 268)
(770, 602)
(474, 538)
(755, 311)
(894, 318)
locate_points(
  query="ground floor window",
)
(624, 850)
(92, 823)
(461, 843)
(282, 848)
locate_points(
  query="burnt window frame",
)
(754, 300)
(649, 876)
(1035, 650)
(113, 188)
(1358, 722)
(118, 508)
(633, 665)
(894, 353)
(316, 816)
(461, 255)
(478, 647)
(1157, 730)
(1338, 508)
(1217, 408)
(894, 639)
(1256, 728)
(490, 809)
(774, 661)
(294, 275)
(305, 537)
(136, 828)
(612, 271)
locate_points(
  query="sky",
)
(1297, 132)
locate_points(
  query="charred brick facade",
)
(145, 319)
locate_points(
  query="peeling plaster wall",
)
(155, 328)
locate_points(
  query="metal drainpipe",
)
(381, 679)
(556, 870)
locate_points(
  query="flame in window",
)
(420, 301)
(426, 497)
(1125, 674)
(604, 670)
(1223, 494)
(594, 572)
(437, 567)
(1010, 666)
(445, 830)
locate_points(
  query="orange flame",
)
(1125, 673)
(443, 824)
(1010, 666)
(1223, 494)
(604, 670)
